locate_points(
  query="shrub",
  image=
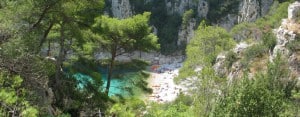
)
(294, 45)
(257, 50)
(269, 40)
(231, 57)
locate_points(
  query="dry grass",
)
(298, 55)
(259, 64)
(293, 26)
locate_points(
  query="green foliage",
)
(166, 24)
(130, 34)
(251, 98)
(13, 97)
(184, 99)
(231, 57)
(262, 28)
(118, 36)
(33, 24)
(28, 24)
(168, 33)
(293, 45)
(141, 6)
(278, 11)
(245, 31)
(269, 40)
(32, 19)
(187, 16)
(86, 66)
(203, 49)
(257, 50)
(133, 65)
(264, 95)
(207, 91)
(128, 108)
(254, 51)
(220, 8)
(64, 115)
(280, 77)
(169, 110)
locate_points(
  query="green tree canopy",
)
(13, 100)
(267, 94)
(119, 36)
(203, 49)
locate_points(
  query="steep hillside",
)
(174, 30)
(257, 46)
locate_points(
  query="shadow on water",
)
(128, 79)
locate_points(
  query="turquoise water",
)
(82, 80)
(123, 86)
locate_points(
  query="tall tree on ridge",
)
(121, 36)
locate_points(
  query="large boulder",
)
(294, 11)
(219, 66)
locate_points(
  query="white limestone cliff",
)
(180, 6)
(186, 33)
(121, 8)
(250, 10)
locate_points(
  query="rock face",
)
(250, 32)
(202, 8)
(286, 35)
(121, 8)
(219, 66)
(250, 10)
(294, 11)
(180, 6)
(239, 48)
(177, 6)
(186, 33)
(236, 69)
(283, 38)
(265, 6)
(228, 22)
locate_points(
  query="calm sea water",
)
(124, 85)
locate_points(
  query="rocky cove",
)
(167, 66)
(150, 58)
(163, 69)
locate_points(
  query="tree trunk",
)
(113, 56)
(60, 57)
(45, 35)
(49, 48)
(140, 54)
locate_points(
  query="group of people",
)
(164, 88)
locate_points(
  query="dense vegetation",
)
(208, 42)
(64, 31)
(45, 44)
